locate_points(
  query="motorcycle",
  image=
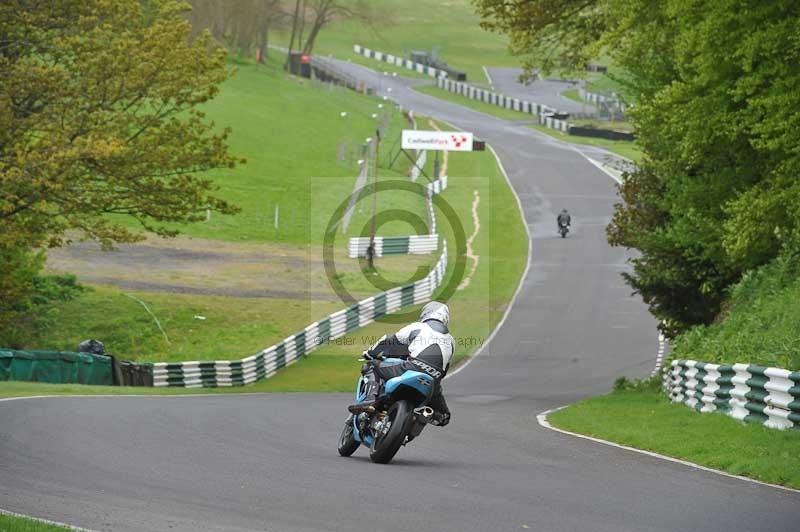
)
(563, 229)
(400, 417)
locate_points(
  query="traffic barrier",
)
(403, 245)
(399, 61)
(769, 396)
(394, 245)
(597, 98)
(210, 374)
(494, 98)
(548, 116)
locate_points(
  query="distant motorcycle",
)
(401, 416)
(563, 229)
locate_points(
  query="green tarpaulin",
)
(60, 367)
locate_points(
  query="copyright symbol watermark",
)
(449, 227)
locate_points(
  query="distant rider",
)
(425, 346)
(563, 219)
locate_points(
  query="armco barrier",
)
(399, 61)
(264, 364)
(609, 134)
(770, 396)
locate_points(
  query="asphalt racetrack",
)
(269, 462)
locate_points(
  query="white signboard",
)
(436, 140)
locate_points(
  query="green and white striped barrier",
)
(770, 396)
(404, 245)
(494, 98)
(211, 374)
(399, 61)
(543, 112)
(394, 245)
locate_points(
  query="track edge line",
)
(46, 521)
(522, 277)
(542, 420)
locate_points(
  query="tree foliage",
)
(717, 113)
(242, 26)
(99, 116)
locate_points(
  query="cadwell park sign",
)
(436, 140)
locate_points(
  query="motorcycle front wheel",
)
(347, 441)
(385, 446)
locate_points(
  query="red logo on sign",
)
(458, 141)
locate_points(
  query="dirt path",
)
(476, 199)
(185, 265)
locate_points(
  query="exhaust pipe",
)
(424, 414)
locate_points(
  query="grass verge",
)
(624, 148)
(573, 95)
(644, 418)
(13, 523)
(760, 324)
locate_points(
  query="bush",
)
(759, 323)
(26, 295)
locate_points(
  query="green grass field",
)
(290, 131)
(645, 419)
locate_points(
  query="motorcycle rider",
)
(563, 219)
(425, 345)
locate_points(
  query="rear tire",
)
(384, 448)
(347, 441)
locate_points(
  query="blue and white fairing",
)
(411, 384)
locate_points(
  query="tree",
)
(99, 117)
(241, 25)
(322, 12)
(550, 34)
(717, 115)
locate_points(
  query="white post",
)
(277, 215)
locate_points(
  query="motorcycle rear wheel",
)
(385, 447)
(347, 441)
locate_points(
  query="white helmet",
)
(435, 311)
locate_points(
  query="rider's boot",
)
(368, 404)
